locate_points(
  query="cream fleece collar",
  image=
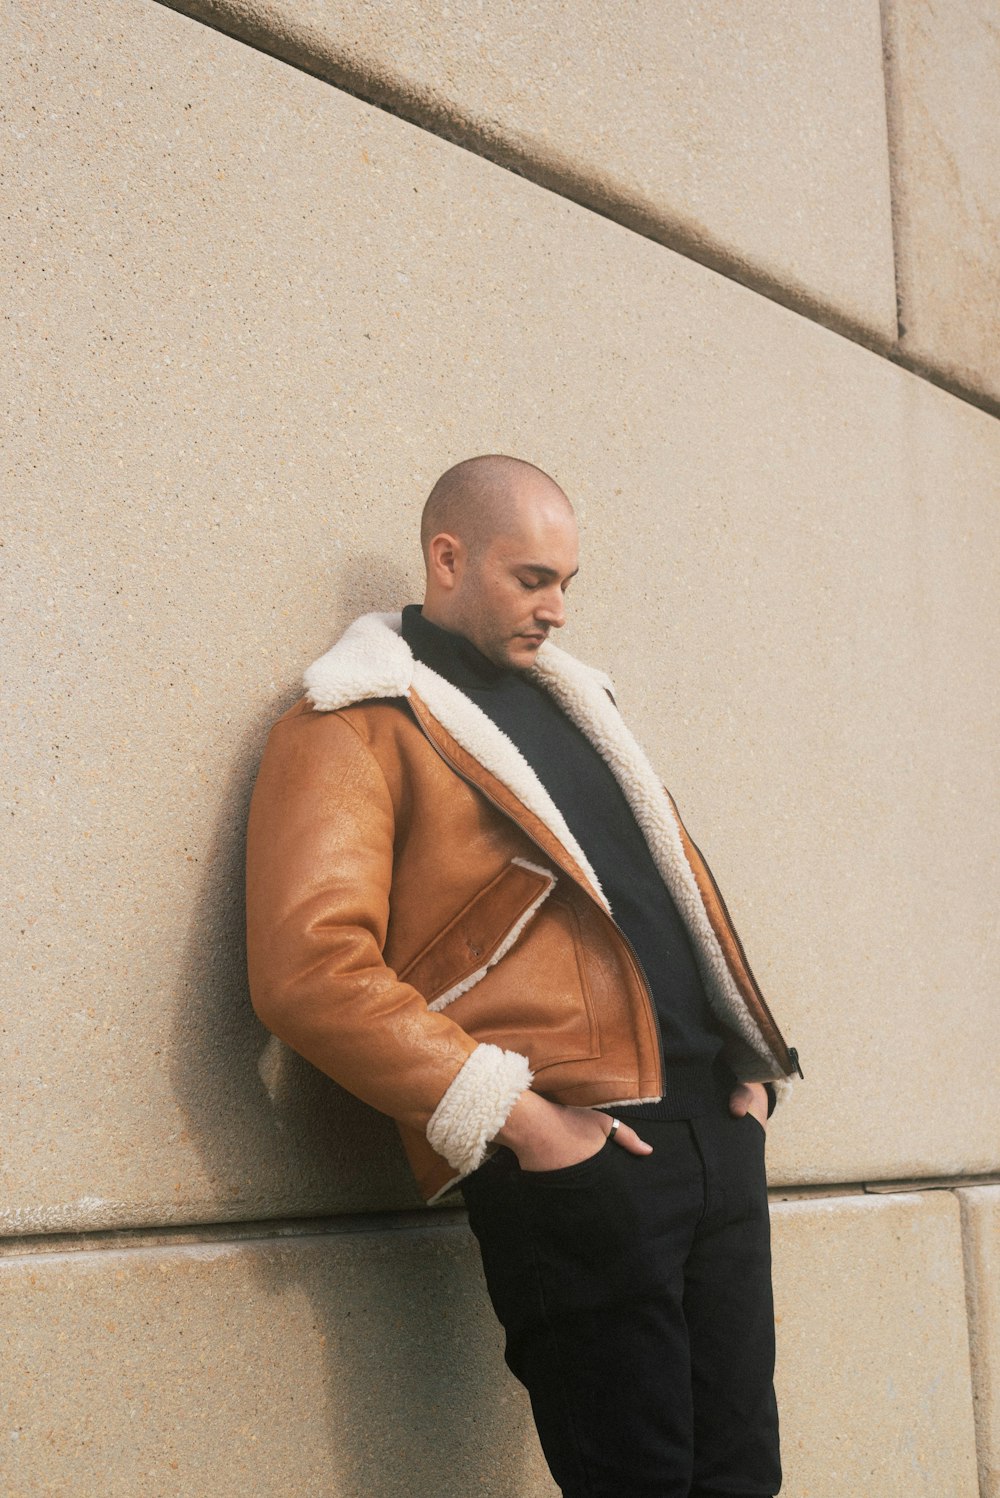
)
(372, 660)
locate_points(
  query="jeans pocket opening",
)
(568, 1172)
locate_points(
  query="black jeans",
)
(635, 1293)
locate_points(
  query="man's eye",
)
(529, 583)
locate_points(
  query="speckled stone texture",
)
(326, 1367)
(354, 1363)
(873, 1357)
(239, 357)
(943, 76)
(754, 139)
(981, 1237)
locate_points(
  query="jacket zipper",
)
(790, 1051)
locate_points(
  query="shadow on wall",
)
(279, 1139)
(276, 1136)
(417, 1399)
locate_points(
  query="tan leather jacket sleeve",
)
(319, 875)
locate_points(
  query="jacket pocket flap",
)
(481, 933)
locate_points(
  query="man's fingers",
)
(740, 1099)
(629, 1140)
(749, 1099)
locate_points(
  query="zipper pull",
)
(793, 1057)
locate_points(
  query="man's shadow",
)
(399, 1308)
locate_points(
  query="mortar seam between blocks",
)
(416, 1221)
(888, 85)
(970, 1291)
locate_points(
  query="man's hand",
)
(548, 1136)
(749, 1097)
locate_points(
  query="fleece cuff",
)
(476, 1105)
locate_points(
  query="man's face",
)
(512, 593)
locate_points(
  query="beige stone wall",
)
(251, 317)
(757, 146)
(339, 1362)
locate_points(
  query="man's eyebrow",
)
(544, 571)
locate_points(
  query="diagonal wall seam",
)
(551, 170)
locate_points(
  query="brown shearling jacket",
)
(424, 928)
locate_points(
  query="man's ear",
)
(445, 557)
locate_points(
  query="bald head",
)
(500, 544)
(480, 498)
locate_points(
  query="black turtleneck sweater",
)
(599, 817)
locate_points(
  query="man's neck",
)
(449, 653)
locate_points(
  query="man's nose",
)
(551, 609)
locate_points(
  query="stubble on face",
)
(511, 592)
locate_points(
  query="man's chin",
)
(521, 652)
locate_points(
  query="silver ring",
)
(616, 1124)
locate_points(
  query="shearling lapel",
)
(371, 659)
(529, 805)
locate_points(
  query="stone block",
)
(347, 1363)
(873, 1357)
(981, 1236)
(759, 147)
(240, 357)
(942, 66)
(329, 1366)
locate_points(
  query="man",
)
(471, 902)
